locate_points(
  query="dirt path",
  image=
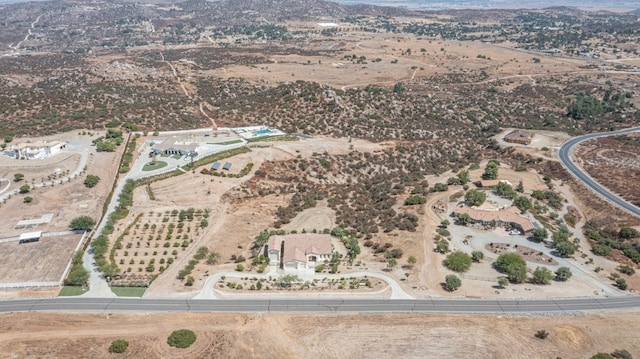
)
(175, 74)
(213, 122)
(430, 273)
(16, 48)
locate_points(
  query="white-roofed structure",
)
(30, 237)
(35, 150)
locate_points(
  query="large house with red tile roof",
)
(299, 251)
(504, 217)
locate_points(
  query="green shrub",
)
(458, 261)
(182, 338)
(415, 199)
(118, 346)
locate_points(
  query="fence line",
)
(29, 285)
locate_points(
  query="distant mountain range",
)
(497, 4)
(457, 4)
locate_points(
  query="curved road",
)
(565, 151)
(559, 306)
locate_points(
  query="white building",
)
(35, 150)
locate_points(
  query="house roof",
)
(298, 246)
(489, 183)
(36, 144)
(492, 183)
(519, 135)
(30, 235)
(509, 215)
(176, 144)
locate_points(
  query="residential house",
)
(35, 150)
(504, 217)
(299, 251)
(519, 136)
(175, 146)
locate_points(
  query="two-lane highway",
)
(564, 153)
(440, 305)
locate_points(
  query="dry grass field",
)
(320, 335)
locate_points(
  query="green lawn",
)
(128, 291)
(154, 166)
(231, 142)
(176, 157)
(70, 291)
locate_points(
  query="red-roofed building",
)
(299, 251)
(508, 216)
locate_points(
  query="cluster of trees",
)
(587, 106)
(77, 274)
(561, 242)
(304, 197)
(462, 178)
(607, 240)
(515, 268)
(353, 248)
(109, 142)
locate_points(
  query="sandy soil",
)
(319, 335)
(17, 262)
(439, 57)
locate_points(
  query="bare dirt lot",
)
(321, 335)
(42, 261)
(389, 58)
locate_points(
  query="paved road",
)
(565, 152)
(80, 304)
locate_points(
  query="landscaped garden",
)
(154, 165)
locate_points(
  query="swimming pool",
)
(261, 132)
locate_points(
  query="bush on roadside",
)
(182, 338)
